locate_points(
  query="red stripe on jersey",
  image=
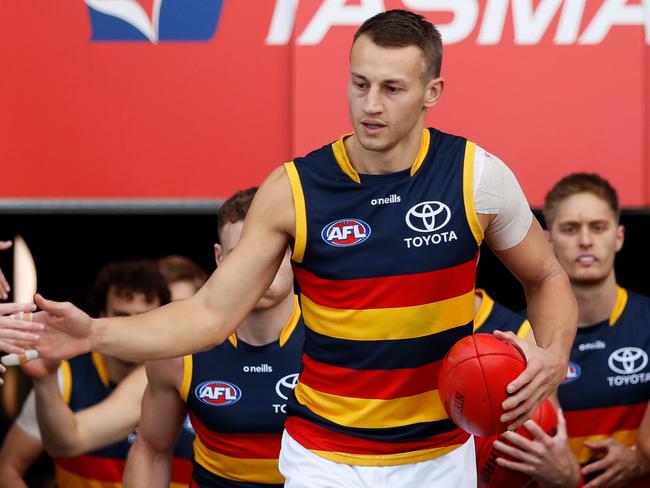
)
(94, 467)
(314, 437)
(258, 446)
(369, 383)
(390, 291)
(181, 471)
(603, 421)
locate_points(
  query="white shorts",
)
(304, 469)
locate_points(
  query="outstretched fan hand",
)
(67, 329)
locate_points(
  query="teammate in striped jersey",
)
(605, 393)
(235, 393)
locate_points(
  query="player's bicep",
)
(532, 260)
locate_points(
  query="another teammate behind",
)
(235, 393)
(604, 396)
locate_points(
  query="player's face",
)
(282, 284)
(586, 236)
(387, 95)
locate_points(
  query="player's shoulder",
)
(638, 303)
(165, 371)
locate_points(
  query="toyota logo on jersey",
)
(153, 20)
(218, 393)
(628, 360)
(428, 216)
(345, 232)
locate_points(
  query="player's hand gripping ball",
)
(490, 474)
(473, 380)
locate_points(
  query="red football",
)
(473, 379)
(490, 474)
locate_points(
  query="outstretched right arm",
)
(197, 323)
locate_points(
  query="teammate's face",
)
(124, 306)
(387, 95)
(586, 236)
(282, 284)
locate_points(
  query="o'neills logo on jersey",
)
(429, 218)
(345, 232)
(572, 373)
(629, 362)
(218, 393)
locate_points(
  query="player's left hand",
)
(619, 466)
(537, 382)
(548, 460)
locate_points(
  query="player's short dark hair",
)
(236, 207)
(129, 278)
(579, 183)
(179, 268)
(401, 28)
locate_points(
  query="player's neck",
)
(116, 369)
(264, 326)
(397, 158)
(596, 301)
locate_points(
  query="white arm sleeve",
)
(497, 192)
(26, 420)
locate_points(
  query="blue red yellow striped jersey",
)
(236, 397)
(492, 316)
(85, 382)
(607, 386)
(386, 265)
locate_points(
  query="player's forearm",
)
(11, 478)
(553, 314)
(147, 467)
(57, 423)
(174, 330)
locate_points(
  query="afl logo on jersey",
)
(218, 393)
(573, 372)
(628, 360)
(345, 232)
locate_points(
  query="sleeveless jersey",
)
(85, 382)
(493, 316)
(607, 387)
(236, 398)
(386, 266)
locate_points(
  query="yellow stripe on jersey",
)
(65, 381)
(621, 301)
(524, 329)
(422, 153)
(300, 239)
(372, 413)
(386, 459)
(484, 309)
(584, 454)
(291, 324)
(338, 148)
(251, 470)
(67, 479)
(389, 323)
(468, 192)
(98, 361)
(188, 366)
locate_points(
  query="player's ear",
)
(433, 92)
(218, 254)
(620, 237)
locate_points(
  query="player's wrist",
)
(96, 340)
